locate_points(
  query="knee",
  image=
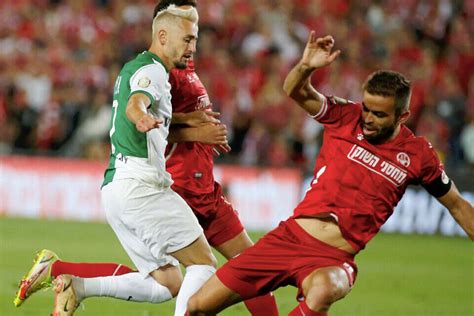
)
(209, 259)
(197, 307)
(193, 306)
(174, 287)
(170, 277)
(325, 289)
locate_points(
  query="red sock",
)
(88, 270)
(264, 305)
(303, 310)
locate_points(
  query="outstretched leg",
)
(162, 285)
(264, 305)
(213, 297)
(200, 265)
(321, 289)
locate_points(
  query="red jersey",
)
(359, 183)
(190, 164)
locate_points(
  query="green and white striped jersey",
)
(133, 154)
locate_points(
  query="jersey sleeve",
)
(149, 80)
(433, 176)
(336, 112)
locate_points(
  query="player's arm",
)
(212, 134)
(136, 112)
(460, 208)
(317, 54)
(202, 127)
(195, 118)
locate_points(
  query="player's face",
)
(183, 45)
(379, 120)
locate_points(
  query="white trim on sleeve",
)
(322, 111)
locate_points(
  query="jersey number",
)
(112, 129)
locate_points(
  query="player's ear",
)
(403, 117)
(162, 37)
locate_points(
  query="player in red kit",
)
(196, 135)
(195, 183)
(367, 160)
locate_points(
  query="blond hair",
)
(168, 17)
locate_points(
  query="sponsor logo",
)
(403, 159)
(65, 306)
(360, 136)
(144, 82)
(390, 172)
(167, 121)
(66, 286)
(192, 77)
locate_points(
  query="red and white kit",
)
(191, 165)
(357, 183)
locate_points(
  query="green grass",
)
(398, 275)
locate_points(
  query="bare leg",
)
(235, 246)
(325, 286)
(264, 305)
(200, 266)
(213, 297)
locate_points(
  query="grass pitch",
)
(398, 275)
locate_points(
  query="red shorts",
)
(215, 214)
(284, 256)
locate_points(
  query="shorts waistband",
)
(298, 231)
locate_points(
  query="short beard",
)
(180, 65)
(384, 134)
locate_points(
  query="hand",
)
(147, 122)
(317, 52)
(221, 149)
(212, 134)
(197, 118)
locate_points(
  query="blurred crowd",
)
(59, 60)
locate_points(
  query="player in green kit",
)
(155, 226)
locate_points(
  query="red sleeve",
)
(336, 112)
(431, 168)
(433, 176)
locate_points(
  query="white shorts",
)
(149, 223)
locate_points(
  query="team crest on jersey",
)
(203, 102)
(403, 159)
(144, 82)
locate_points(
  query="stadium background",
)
(58, 61)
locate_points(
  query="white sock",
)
(129, 287)
(195, 277)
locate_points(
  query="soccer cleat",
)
(39, 276)
(65, 299)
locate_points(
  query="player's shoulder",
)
(145, 62)
(347, 106)
(332, 99)
(418, 143)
